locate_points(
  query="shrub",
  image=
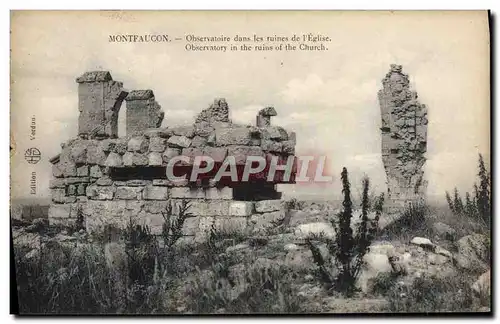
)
(347, 249)
(458, 206)
(384, 282)
(172, 230)
(477, 208)
(484, 196)
(413, 221)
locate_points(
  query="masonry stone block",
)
(68, 169)
(211, 139)
(108, 144)
(265, 206)
(135, 206)
(71, 190)
(78, 151)
(163, 132)
(82, 171)
(95, 171)
(57, 183)
(135, 159)
(100, 193)
(114, 160)
(58, 195)
(138, 183)
(104, 181)
(161, 182)
(138, 144)
(80, 191)
(199, 207)
(275, 133)
(233, 136)
(187, 193)
(73, 180)
(198, 141)
(170, 152)
(99, 214)
(241, 208)
(121, 146)
(128, 193)
(95, 154)
(155, 193)
(288, 147)
(157, 144)
(216, 153)
(57, 171)
(156, 206)
(179, 141)
(219, 193)
(171, 183)
(268, 111)
(128, 159)
(192, 152)
(272, 146)
(155, 159)
(241, 153)
(203, 129)
(186, 131)
(62, 211)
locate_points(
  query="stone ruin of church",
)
(111, 180)
(404, 138)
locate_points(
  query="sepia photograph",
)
(250, 162)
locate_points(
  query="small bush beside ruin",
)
(347, 249)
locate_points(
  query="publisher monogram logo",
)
(33, 155)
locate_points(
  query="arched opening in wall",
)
(122, 118)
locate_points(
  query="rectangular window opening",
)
(138, 173)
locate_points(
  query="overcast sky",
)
(329, 98)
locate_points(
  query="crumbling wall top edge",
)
(94, 76)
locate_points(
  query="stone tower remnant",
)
(142, 111)
(404, 138)
(99, 101)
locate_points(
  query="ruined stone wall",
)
(404, 137)
(112, 181)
